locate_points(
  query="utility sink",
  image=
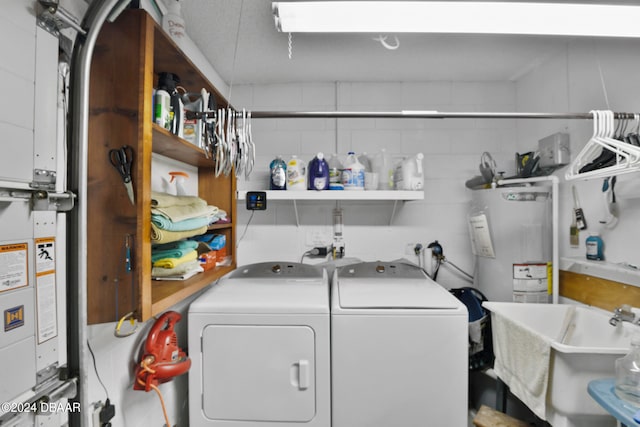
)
(581, 346)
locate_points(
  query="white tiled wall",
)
(577, 80)
(452, 149)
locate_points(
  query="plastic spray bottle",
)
(179, 178)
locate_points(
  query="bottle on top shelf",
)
(278, 175)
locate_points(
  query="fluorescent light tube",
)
(560, 19)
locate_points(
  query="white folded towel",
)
(522, 361)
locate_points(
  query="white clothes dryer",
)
(399, 348)
(259, 344)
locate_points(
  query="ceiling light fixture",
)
(466, 17)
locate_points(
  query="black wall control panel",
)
(256, 200)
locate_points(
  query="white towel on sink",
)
(522, 361)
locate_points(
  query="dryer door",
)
(258, 373)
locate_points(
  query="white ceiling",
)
(240, 40)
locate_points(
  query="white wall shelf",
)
(339, 195)
(617, 272)
(330, 195)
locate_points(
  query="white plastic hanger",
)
(627, 155)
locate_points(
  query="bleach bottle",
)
(353, 173)
(296, 174)
(318, 173)
(278, 180)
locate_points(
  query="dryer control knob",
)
(380, 268)
(276, 268)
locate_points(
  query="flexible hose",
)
(470, 277)
(146, 369)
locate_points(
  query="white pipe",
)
(555, 281)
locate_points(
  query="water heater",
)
(511, 238)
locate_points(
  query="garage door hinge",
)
(53, 18)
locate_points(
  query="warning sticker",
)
(46, 305)
(13, 266)
(45, 255)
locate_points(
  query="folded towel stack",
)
(174, 219)
(175, 261)
(179, 217)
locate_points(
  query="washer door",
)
(258, 373)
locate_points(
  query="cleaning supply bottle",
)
(627, 383)
(163, 115)
(410, 176)
(278, 174)
(353, 173)
(384, 167)
(595, 247)
(179, 178)
(296, 174)
(335, 173)
(318, 173)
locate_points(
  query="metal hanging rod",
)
(411, 115)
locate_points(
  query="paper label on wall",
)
(13, 266)
(480, 238)
(47, 315)
(46, 304)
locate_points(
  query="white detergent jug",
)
(353, 173)
(410, 175)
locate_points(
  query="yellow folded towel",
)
(163, 236)
(181, 269)
(184, 212)
(161, 200)
(174, 262)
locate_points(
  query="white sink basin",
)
(583, 347)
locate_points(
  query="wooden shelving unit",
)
(129, 55)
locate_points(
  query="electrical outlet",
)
(318, 237)
(409, 249)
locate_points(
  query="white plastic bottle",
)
(162, 109)
(335, 173)
(627, 385)
(353, 173)
(412, 173)
(383, 165)
(172, 21)
(296, 174)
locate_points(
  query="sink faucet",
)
(622, 314)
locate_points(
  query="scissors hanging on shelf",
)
(121, 159)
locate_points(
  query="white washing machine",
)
(399, 349)
(259, 344)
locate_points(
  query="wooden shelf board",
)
(220, 226)
(166, 293)
(170, 145)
